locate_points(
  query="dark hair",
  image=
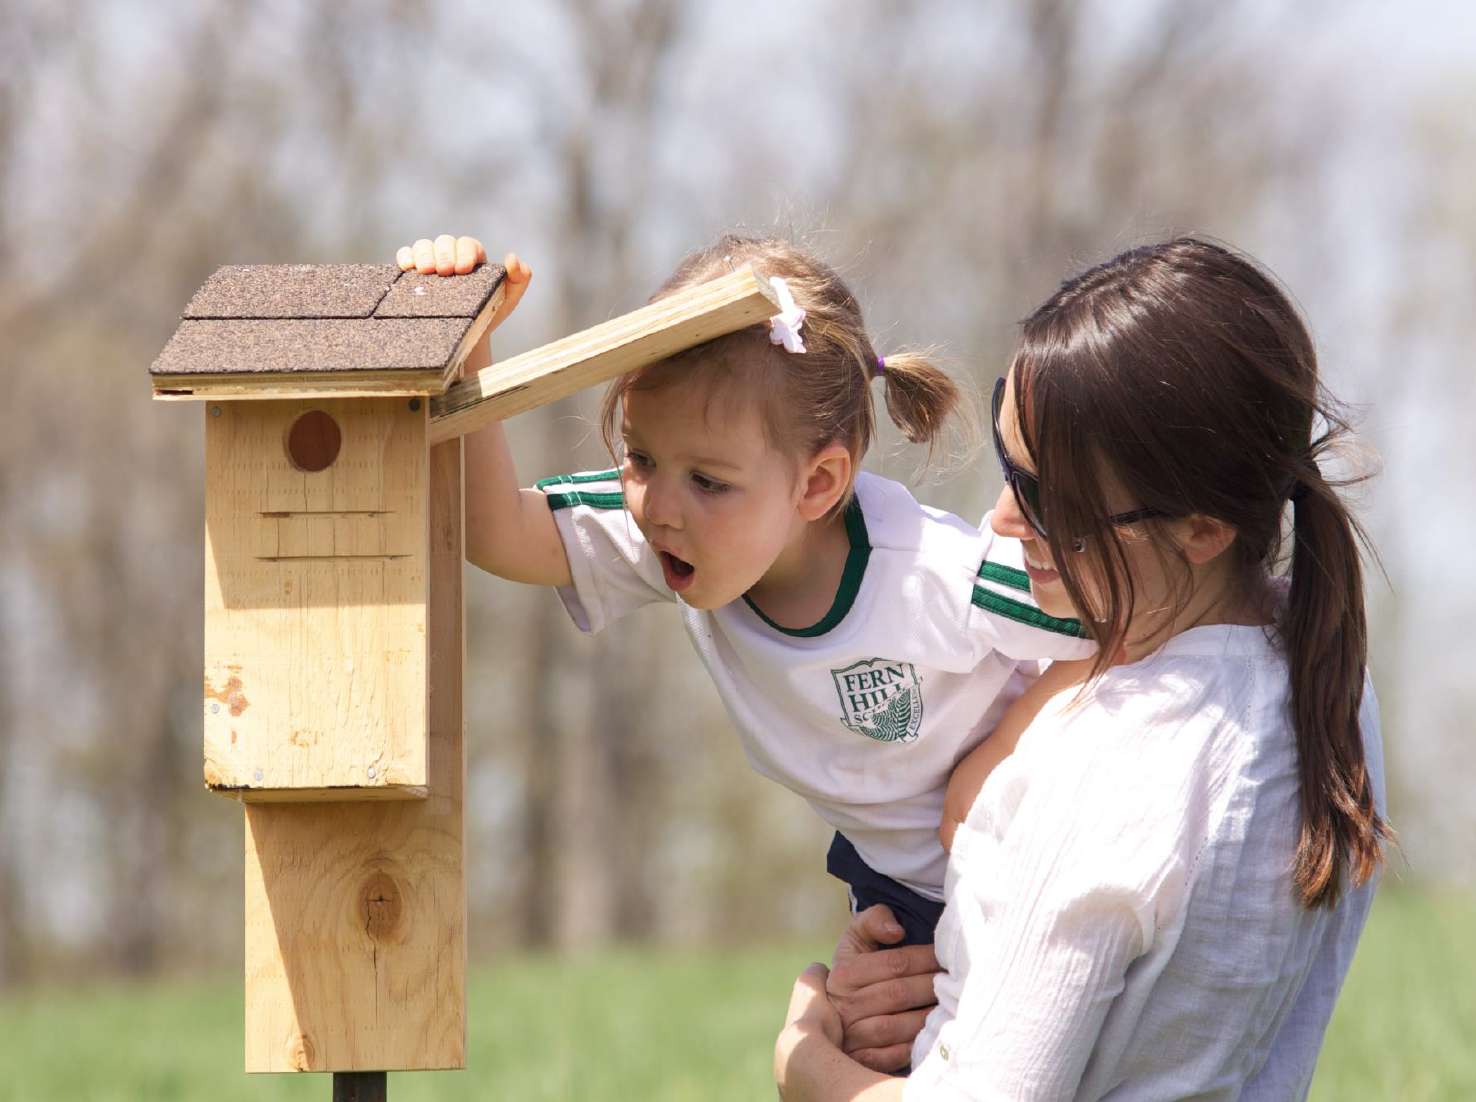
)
(806, 401)
(1183, 373)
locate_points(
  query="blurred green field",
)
(690, 1026)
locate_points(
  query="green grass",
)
(1405, 1025)
(662, 1026)
(676, 1026)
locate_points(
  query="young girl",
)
(861, 643)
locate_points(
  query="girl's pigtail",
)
(1327, 645)
(923, 399)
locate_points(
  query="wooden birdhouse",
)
(316, 382)
(332, 691)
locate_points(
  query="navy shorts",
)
(917, 914)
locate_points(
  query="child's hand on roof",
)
(448, 255)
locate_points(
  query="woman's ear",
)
(823, 480)
(1207, 538)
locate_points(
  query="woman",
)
(1157, 895)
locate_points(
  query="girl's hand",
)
(446, 255)
(460, 255)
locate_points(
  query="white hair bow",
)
(784, 327)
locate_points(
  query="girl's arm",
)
(970, 774)
(510, 531)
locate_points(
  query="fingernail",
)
(892, 928)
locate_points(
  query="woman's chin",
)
(1050, 598)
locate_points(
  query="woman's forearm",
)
(809, 1068)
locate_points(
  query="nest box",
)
(333, 622)
(316, 383)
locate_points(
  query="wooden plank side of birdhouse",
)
(356, 913)
(315, 598)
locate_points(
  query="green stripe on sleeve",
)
(613, 500)
(1005, 575)
(572, 479)
(1027, 614)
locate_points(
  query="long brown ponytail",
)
(1184, 370)
(1327, 646)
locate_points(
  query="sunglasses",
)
(1026, 486)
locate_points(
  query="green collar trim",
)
(850, 583)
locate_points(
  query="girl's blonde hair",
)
(806, 400)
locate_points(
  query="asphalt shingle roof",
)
(278, 320)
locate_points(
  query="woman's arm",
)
(1056, 901)
(809, 1065)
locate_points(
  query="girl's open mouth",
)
(678, 572)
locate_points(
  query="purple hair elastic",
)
(881, 365)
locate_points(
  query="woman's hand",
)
(808, 1063)
(446, 255)
(810, 1007)
(882, 996)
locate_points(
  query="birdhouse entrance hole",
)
(313, 441)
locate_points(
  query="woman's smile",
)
(1041, 573)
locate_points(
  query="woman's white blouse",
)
(1120, 916)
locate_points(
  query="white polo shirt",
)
(865, 713)
(1120, 916)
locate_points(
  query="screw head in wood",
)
(257, 774)
(214, 708)
(215, 411)
(414, 405)
(371, 772)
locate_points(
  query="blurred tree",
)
(966, 157)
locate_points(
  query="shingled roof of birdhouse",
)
(331, 330)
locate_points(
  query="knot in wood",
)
(300, 1052)
(381, 903)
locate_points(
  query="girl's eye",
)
(639, 460)
(708, 485)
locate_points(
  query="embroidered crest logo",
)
(880, 699)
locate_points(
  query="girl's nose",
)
(661, 504)
(1007, 520)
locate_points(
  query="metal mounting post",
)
(359, 1086)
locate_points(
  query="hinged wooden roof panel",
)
(277, 330)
